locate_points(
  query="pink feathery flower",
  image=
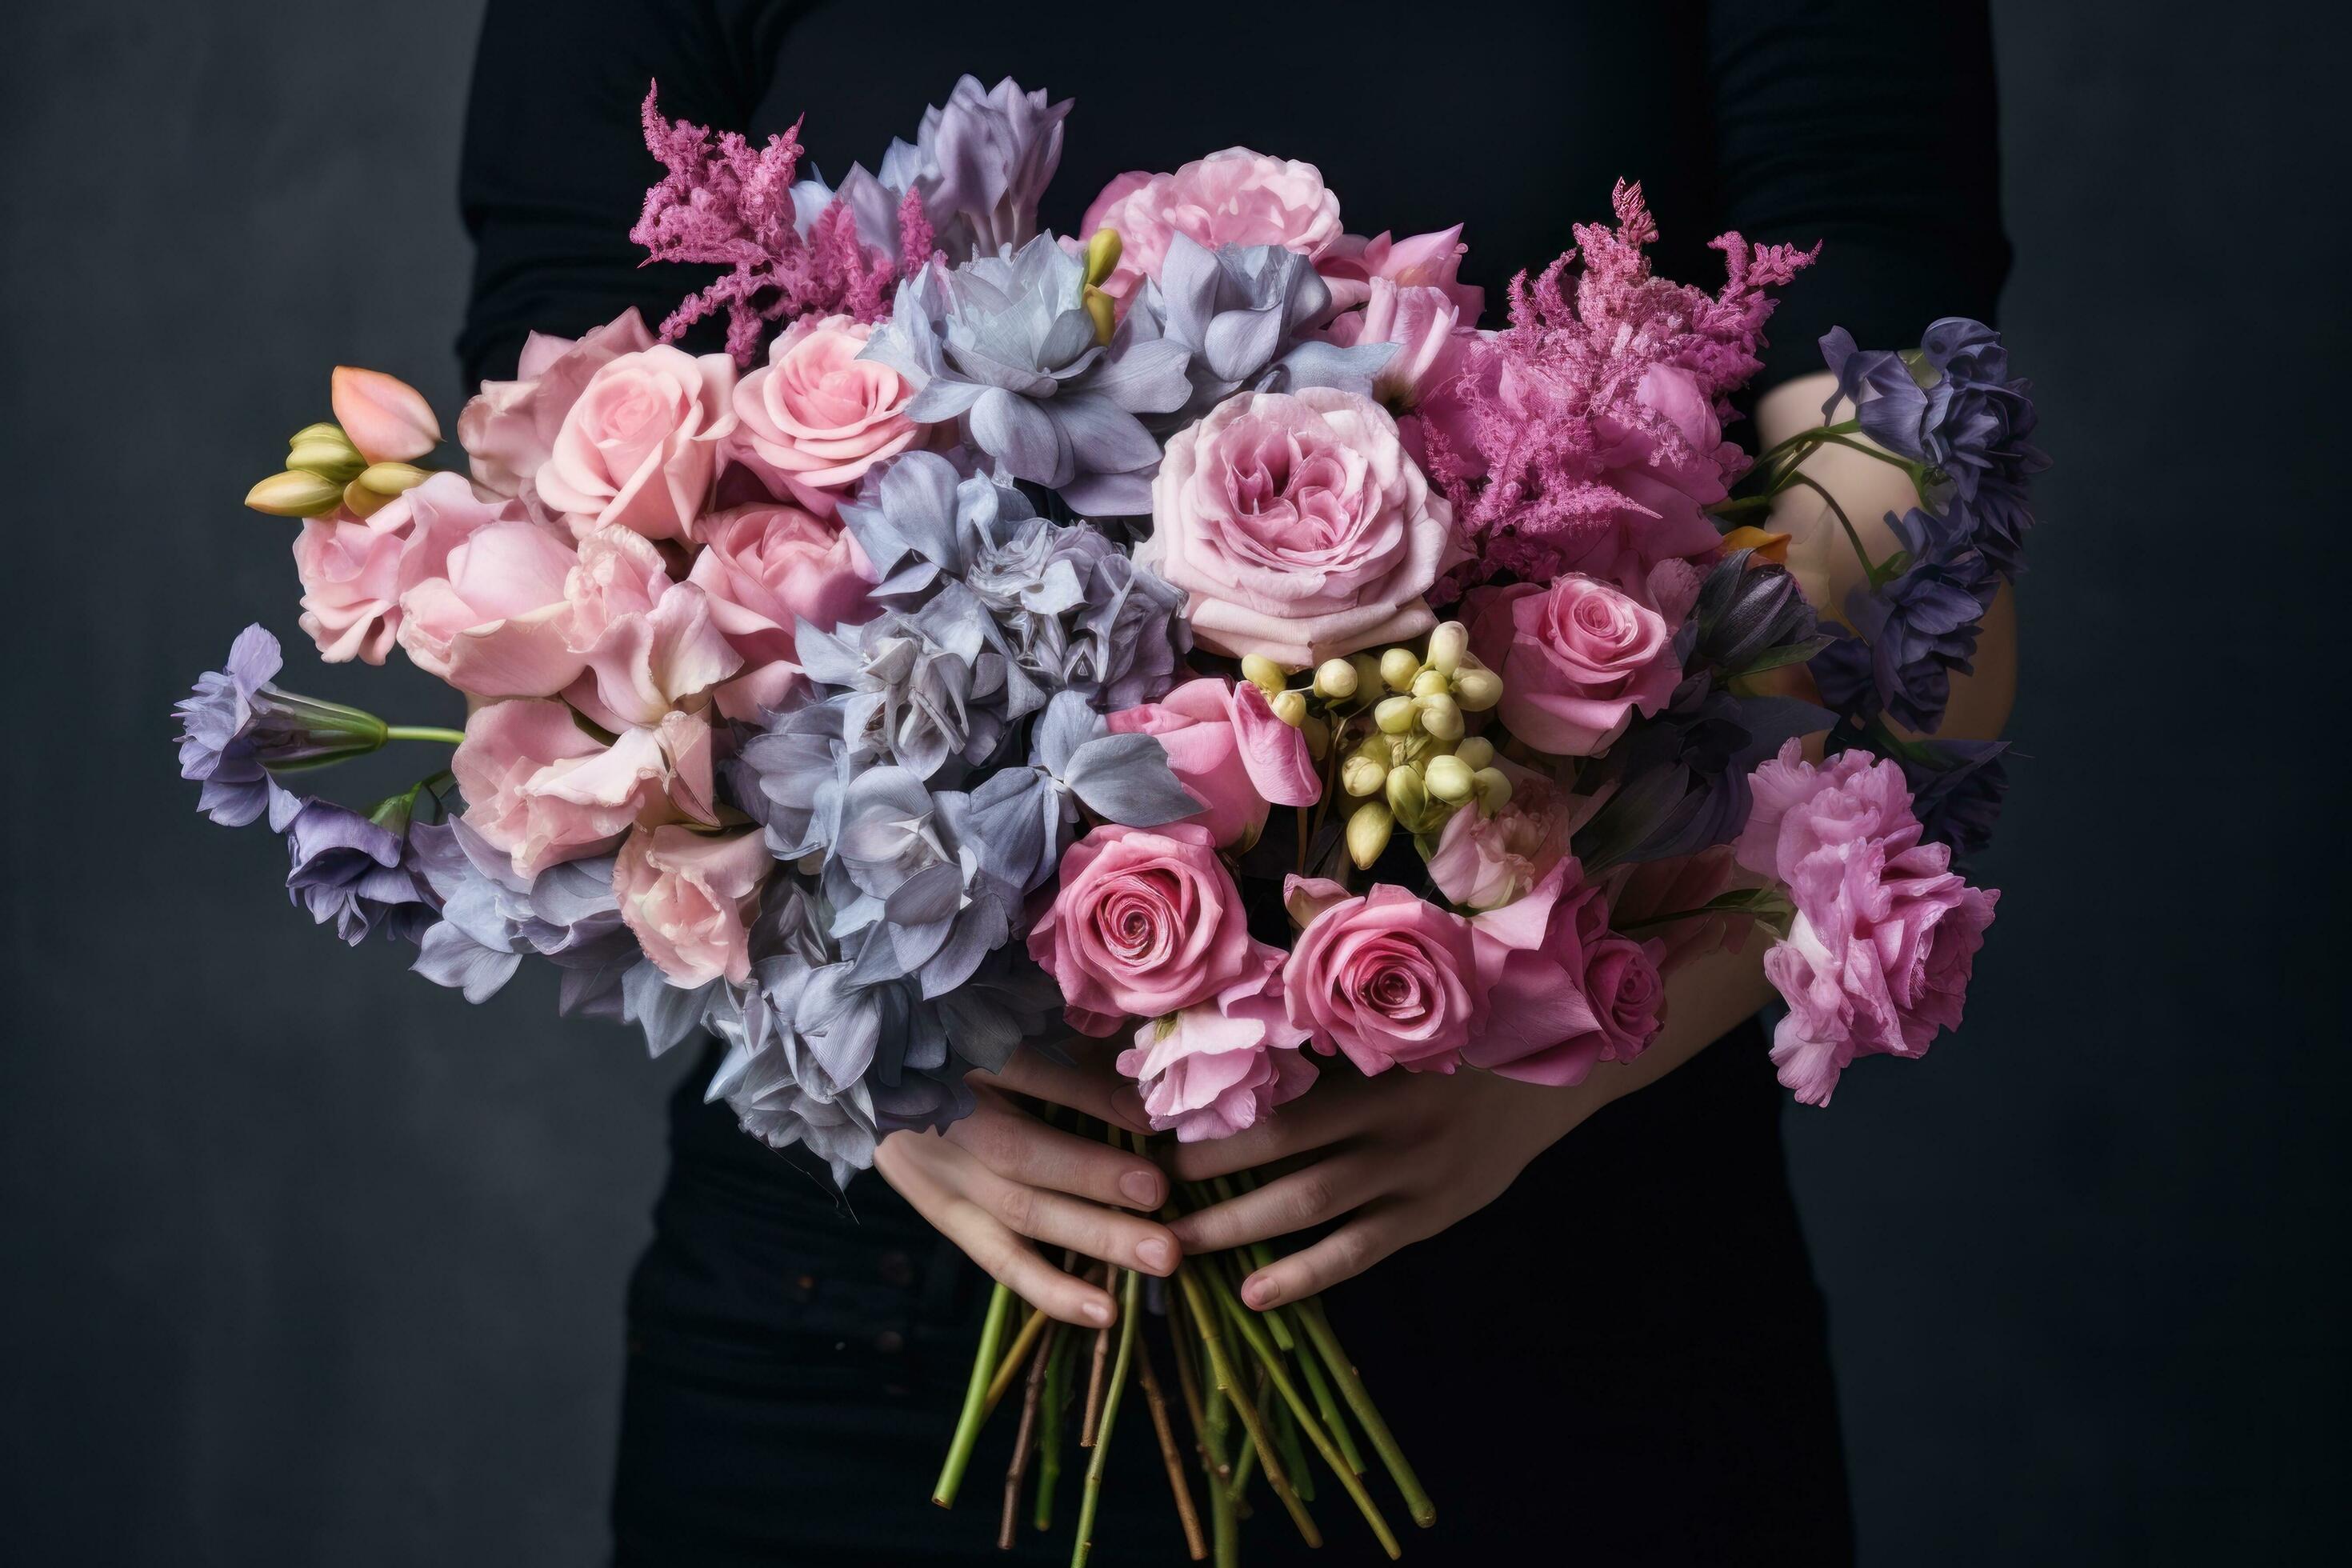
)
(727, 204)
(1588, 434)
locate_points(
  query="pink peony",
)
(1386, 978)
(493, 625)
(815, 417)
(541, 788)
(1215, 1068)
(1483, 861)
(1233, 197)
(1879, 955)
(1431, 338)
(1567, 992)
(508, 428)
(388, 420)
(1578, 660)
(1297, 527)
(648, 643)
(1146, 921)
(764, 568)
(1231, 753)
(689, 899)
(354, 571)
(640, 447)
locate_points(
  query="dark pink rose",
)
(1578, 660)
(1230, 752)
(1567, 991)
(1146, 921)
(1386, 978)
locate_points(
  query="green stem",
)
(1049, 1444)
(975, 1397)
(423, 732)
(1869, 567)
(1130, 1312)
(1221, 1366)
(1368, 1415)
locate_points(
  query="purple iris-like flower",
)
(1914, 630)
(1957, 788)
(354, 873)
(234, 726)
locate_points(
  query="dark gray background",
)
(308, 1262)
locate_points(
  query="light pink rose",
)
(1567, 992)
(689, 899)
(1297, 527)
(1214, 1068)
(493, 624)
(1483, 861)
(1883, 943)
(1578, 660)
(640, 449)
(648, 643)
(1233, 197)
(1146, 921)
(542, 789)
(1431, 338)
(354, 571)
(1386, 978)
(388, 420)
(508, 428)
(1432, 260)
(815, 417)
(1230, 753)
(764, 567)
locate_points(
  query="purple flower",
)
(1957, 788)
(1677, 783)
(1914, 630)
(234, 726)
(489, 918)
(353, 872)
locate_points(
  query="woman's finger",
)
(1348, 1251)
(1322, 1191)
(1058, 1220)
(1089, 1084)
(1020, 1148)
(1300, 1127)
(934, 1176)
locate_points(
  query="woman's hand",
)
(1394, 1159)
(1000, 1175)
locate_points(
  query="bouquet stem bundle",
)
(1280, 1375)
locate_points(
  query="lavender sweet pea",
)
(354, 873)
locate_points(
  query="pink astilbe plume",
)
(730, 204)
(1559, 434)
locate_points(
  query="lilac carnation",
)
(353, 874)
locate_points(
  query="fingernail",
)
(1258, 1293)
(1142, 1187)
(1155, 1253)
(1097, 1313)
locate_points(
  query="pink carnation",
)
(1230, 753)
(647, 643)
(1879, 955)
(1485, 860)
(1215, 1068)
(1386, 978)
(1233, 197)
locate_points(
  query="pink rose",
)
(1214, 1068)
(764, 568)
(1146, 921)
(648, 643)
(1578, 660)
(354, 571)
(1483, 861)
(816, 416)
(1883, 943)
(640, 447)
(1433, 260)
(542, 789)
(1230, 753)
(508, 428)
(689, 899)
(493, 625)
(1233, 197)
(1297, 527)
(1388, 979)
(1567, 992)
(1431, 337)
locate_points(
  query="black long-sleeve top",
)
(1862, 125)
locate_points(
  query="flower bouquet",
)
(1016, 638)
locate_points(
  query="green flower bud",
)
(1368, 673)
(1446, 644)
(1408, 792)
(1262, 672)
(1103, 249)
(1318, 731)
(1103, 311)
(1398, 667)
(1290, 707)
(1449, 779)
(1475, 752)
(294, 494)
(1441, 716)
(1368, 833)
(1477, 688)
(1361, 776)
(324, 450)
(1394, 715)
(1429, 683)
(1493, 788)
(1335, 678)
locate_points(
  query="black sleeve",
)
(555, 168)
(1871, 127)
